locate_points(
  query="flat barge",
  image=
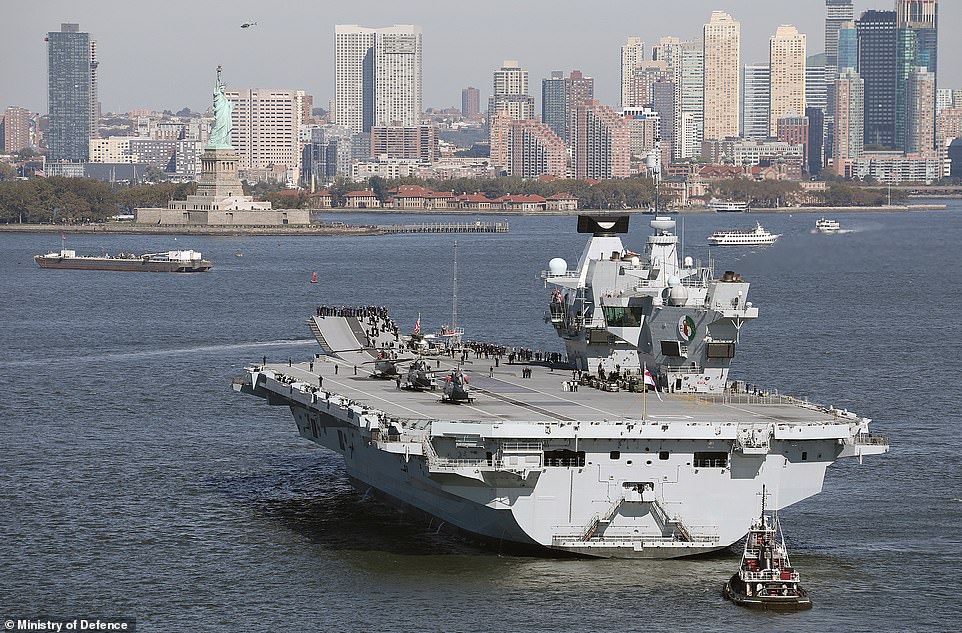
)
(166, 262)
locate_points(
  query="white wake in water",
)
(154, 353)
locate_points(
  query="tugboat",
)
(766, 579)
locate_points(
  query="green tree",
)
(379, 186)
(7, 172)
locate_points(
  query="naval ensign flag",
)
(651, 381)
(644, 401)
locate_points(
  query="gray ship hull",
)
(406, 483)
(642, 489)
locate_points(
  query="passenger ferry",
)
(729, 206)
(755, 237)
(823, 225)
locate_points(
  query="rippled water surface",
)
(135, 482)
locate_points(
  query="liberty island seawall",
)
(136, 483)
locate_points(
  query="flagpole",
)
(644, 397)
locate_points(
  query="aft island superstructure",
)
(576, 456)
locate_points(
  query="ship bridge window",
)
(710, 460)
(630, 316)
(721, 350)
(563, 458)
(674, 348)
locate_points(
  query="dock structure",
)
(448, 227)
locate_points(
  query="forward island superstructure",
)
(576, 456)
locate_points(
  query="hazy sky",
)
(162, 54)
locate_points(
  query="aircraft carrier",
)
(635, 445)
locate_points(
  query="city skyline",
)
(136, 63)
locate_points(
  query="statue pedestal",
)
(218, 174)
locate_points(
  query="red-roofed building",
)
(321, 199)
(721, 172)
(361, 200)
(529, 202)
(561, 202)
(408, 197)
(441, 200)
(473, 201)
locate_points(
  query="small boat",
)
(824, 225)
(755, 237)
(766, 579)
(314, 278)
(729, 206)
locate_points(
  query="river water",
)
(135, 483)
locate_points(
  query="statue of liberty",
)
(220, 132)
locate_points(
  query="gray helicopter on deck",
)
(387, 364)
(419, 377)
(456, 388)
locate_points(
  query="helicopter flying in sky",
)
(247, 25)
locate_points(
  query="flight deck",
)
(547, 396)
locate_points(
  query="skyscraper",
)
(645, 75)
(847, 48)
(722, 71)
(920, 112)
(71, 93)
(16, 129)
(470, 102)
(561, 96)
(943, 99)
(755, 101)
(554, 111)
(536, 150)
(601, 143)
(793, 129)
(877, 63)
(689, 105)
(916, 46)
(397, 76)
(849, 112)
(666, 50)
(511, 92)
(837, 13)
(265, 128)
(377, 76)
(787, 62)
(632, 53)
(816, 83)
(922, 18)
(816, 140)
(579, 91)
(663, 95)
